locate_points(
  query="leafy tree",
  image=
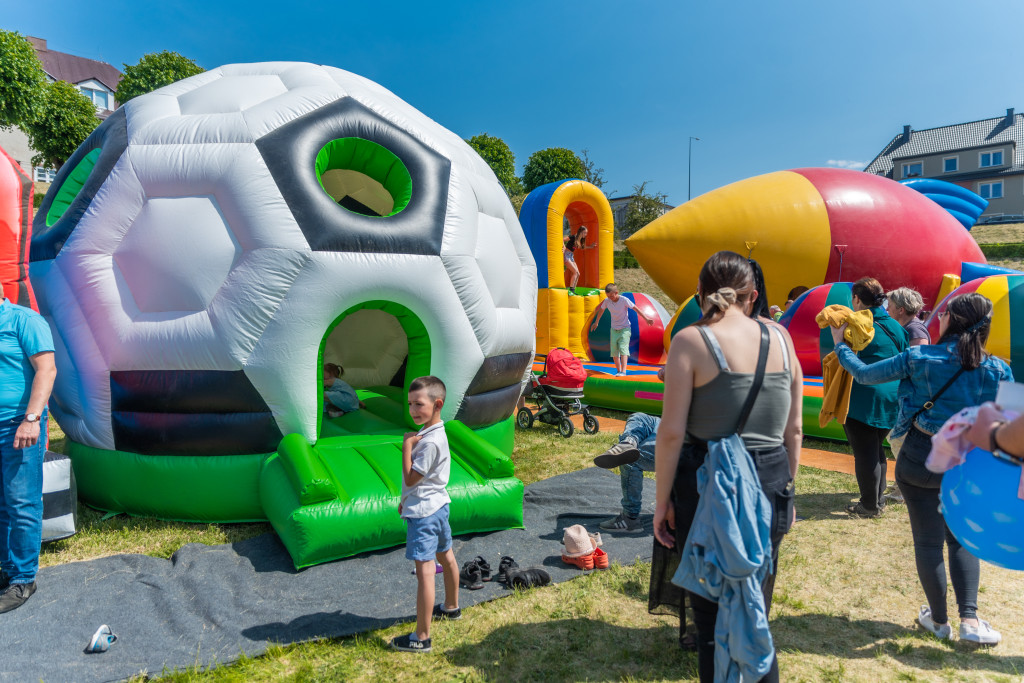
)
(551, 164)
(500, 158)
(21, 82)
(592, 174)
(643, 209)
(153, 71)
(64, 118)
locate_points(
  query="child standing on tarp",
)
(426, 466)
(339, 397)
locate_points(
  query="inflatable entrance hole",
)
(71, 186)
(378, 343)
(364, 177)
(582, 214)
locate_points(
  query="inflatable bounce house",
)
(213, 243)
(15, 232)
(546, 211)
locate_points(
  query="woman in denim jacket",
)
(970, 376)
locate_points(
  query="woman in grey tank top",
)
(708, 375)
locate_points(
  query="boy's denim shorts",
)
(427, 536)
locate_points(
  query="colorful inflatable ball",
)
(1006, 292)
(214, 242)
(15, 232)
(981, 507)
(962, 204)
(811, 342)
(687, 314)
(809, 226)
(646, 342)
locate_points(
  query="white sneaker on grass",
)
(940, 631)
(982, 634)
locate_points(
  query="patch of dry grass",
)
(998, 233)
(637, 280)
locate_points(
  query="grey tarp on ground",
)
(209, 604)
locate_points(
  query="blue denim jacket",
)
(726, 556)
(923, 370)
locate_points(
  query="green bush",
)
(624, 259)
(1003, 251)
(37, 200)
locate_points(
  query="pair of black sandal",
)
(475, 572)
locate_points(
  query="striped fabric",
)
(60, 497)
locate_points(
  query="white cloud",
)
(846, 163)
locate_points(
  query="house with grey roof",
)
(984, 156)
(96, 80)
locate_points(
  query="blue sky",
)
(766, 86)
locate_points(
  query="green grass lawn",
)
(844, 610)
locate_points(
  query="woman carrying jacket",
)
(708, 375)
(872, 408)
(936, 382)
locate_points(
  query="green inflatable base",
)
(340, 497)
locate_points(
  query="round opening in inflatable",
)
(364, 177)
(71, 186)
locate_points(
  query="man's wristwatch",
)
(31, 417)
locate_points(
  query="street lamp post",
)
(689, 165)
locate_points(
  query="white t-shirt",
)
(432, 459)
(620, 311)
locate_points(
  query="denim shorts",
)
(427, 536)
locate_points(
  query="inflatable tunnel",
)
(212, 244)
(546, 214)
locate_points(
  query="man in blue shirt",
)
(27, 371)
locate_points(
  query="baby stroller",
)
(558, 393)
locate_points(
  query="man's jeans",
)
(21, 502)
(641, 431)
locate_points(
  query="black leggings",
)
(869, 461)
(773, 472)
(920, 490)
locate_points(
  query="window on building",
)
(990, 190)
(991, 159)
(44, 175)
(913, 170)
(950, 164)
(98, 97)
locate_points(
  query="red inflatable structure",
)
(15, 231)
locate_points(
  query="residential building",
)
(97, 80)
(620, 207)
(984, 156)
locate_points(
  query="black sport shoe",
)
(506, 565)
(859, 510)
(407, 644)
(471, 577)
(528, 578)
(621, 453)
(485, 569)
(622, 523)
(451, 615)
(15, 595)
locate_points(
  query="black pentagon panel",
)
(190, 412)
(480, 410)
(111, 138)
(291, 152)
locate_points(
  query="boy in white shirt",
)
(619, 307)
(426, 464)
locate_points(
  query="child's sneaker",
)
(505, 565)
(450, 614)
(485, 569)
(471, 577)
(407, 643)
(942, 632)
(982, 634)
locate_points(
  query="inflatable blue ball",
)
(981, 507)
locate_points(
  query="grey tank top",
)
(715, 409)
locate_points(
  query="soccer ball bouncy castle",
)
(214, 242)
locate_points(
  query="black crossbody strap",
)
(755, 388)
(930, 403)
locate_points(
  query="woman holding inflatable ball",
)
(936, 382)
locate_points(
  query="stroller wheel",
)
(524, 418)
(565, 427)
(590, 425)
